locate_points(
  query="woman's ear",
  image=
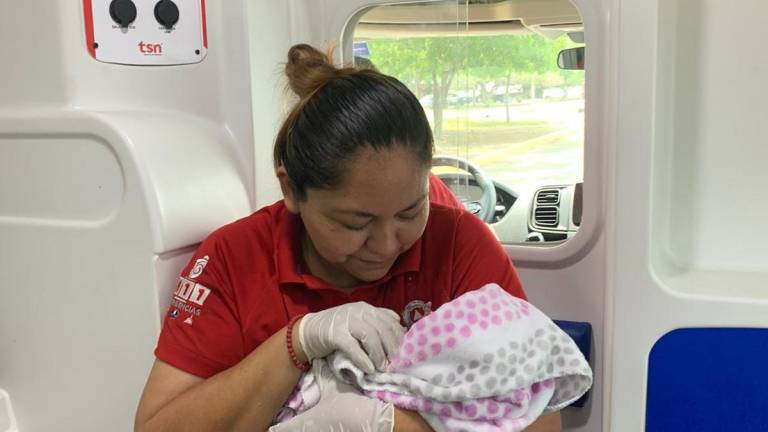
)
(291, 203)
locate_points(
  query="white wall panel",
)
(119, 171)
(688, 243)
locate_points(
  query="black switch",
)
(123, 12)
(167, 13)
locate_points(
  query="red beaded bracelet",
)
(289, 342)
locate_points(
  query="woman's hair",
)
(340, 112)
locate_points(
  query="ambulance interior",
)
(624, 180)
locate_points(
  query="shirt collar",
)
(287, 246)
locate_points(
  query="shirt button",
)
(409, 278)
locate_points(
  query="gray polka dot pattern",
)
(519, 381)
(490, 383)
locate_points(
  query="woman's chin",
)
(370, 275)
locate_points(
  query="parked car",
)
(553, 93)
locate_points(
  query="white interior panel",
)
(73, 178)
(85, 272)
(711, 197)
(688, 248)
(75, 304)
(708, 177)
(27, 80)
(270, 38)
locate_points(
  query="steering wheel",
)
(485, 207)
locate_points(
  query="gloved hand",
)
(368, 335)
(341, 408)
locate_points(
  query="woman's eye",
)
(411, 215)
(354, 227)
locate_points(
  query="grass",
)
(462, 124)
(492, 137)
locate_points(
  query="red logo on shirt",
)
(192, 291)
(198, 268)
(416, 310)
(187, 296)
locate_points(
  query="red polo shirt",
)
(245, 282)
(440, 193)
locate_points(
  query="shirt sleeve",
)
(201, 331)
(439, 193)
(480, 259)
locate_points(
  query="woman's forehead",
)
(370, 165)
(377, 179)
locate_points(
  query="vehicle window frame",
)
(597, 99)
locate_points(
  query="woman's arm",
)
(410, 421)
(248, 395)
(244, 397)
(546, 423)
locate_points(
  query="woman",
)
(354, 244)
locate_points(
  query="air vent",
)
(546, 216)
(548, 196)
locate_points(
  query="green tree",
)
(514, 58)
(430, 65)
(433, 60)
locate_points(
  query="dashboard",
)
(466, 189)
(549, 213)
(555, 212)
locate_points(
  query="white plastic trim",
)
(175, 190)
(6, 413)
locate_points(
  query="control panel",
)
(146, 32)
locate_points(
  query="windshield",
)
(499, 101)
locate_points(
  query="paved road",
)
(522, 156)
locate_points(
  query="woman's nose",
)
(383, 241)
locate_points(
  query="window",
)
(486, 73)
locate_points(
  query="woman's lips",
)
(372, 263)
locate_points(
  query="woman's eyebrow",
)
(359, 213)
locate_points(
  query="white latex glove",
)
(368, 335)
(341, 408)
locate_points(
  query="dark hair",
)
(340, 112)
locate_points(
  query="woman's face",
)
(356, 232)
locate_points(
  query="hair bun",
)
(308, 69)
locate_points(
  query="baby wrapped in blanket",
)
(486, 361)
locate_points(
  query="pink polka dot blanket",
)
(486, 361)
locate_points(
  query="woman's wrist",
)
(296, 341)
